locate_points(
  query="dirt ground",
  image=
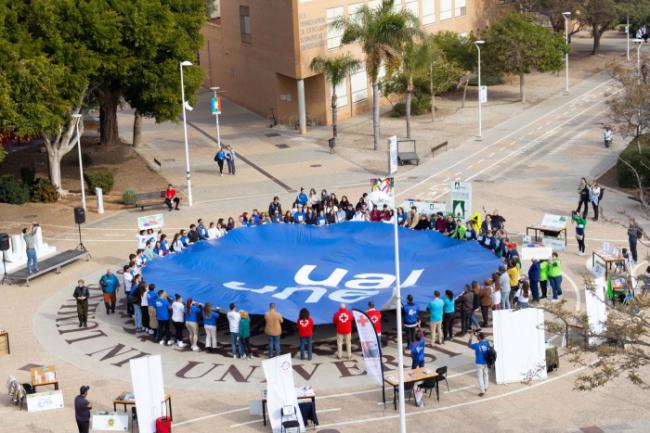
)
(128, 169)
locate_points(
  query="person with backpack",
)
(220, 157)
(482, 353)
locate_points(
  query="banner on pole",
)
(215, 105)
(369, 346)
(149, 391)
(483, 94)
(381, 192)
(392, 152)
(280, 390)
(156, 221)
(460, 198)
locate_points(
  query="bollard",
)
(100, 200)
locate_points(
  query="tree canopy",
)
(517, 45)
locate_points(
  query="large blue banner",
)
(298, 266)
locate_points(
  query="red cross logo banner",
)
(363, 321)
(374, 319)
(343, 318)
(369, 345)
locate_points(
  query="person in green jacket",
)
(543, 277)
(245, 334)
(459, 231)
(555, 276)
(581, 223)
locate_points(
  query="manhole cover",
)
(272, 134)
(282, 146)
(315, 165)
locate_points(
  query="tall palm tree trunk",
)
(375, 114)
(409, 97)
(334, 126)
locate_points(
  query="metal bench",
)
(404, 157)
(149, 199)
(54, 263)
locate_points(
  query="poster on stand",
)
(460, 199)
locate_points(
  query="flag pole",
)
(398, 308)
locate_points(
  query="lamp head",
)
(186, 63)
(566, 14)
(76, 116)
(479, 43)
(214, 89)
(188, 107)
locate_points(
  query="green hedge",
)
(13, 191)
(421, 105)
(99, 177)
(625, 176)
(43, 191)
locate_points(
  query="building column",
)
(302, 114)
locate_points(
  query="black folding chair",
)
(442, 375)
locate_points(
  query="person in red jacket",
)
(305, 331)
(375, 215)
(375, 318)
(343, 321)
(170, 197)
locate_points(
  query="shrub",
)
(28, 175)
(641, 162)
(99, 178)
(487, 79)
(129, 197)
(419, 106)
(13, 191)
(42, 190)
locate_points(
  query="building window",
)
(341, 93)
(333, 34)
(445, 9)
(413, 6)
(461, 8)
(245, 24)
(428, 11)
(359, 85)
(353, 12)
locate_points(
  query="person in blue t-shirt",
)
(299, 216)
(210, 325)
(151, 302)
(417, 351)
(480, 348)
(411, 319)
(302, 198)
(110, 285)
(435, 308)
(162, 315)
(448, 312)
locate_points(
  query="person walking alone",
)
(343, 322)
(220, 157)
(273, 329)
(480, 348)
(81, 294)
(634, 233)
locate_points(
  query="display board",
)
(42, 401)
(460, 199)
(519, 342)
(110, 421)
(149, 391)
(280, 390)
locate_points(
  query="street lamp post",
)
(77, 118)
(480, 114)
(639, 44)
(566, 16)
(216, 113)
(188, 175)
(627, 36)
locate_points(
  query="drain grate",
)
(282, 146)
(315, 165)
(271, 134)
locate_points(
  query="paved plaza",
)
(528, 164)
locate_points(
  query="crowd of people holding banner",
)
(171, 319)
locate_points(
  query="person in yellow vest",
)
(543, 277)
(555, 276)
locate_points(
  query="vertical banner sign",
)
(369, 346)
(460, 198)
(149, 391)
(215, 104)
(280, 390)
(483, 95)
(392, 154)
(382, 192)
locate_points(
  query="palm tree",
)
(417, 57)
(335, 69)
(382, 33)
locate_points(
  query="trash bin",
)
(331, 142)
